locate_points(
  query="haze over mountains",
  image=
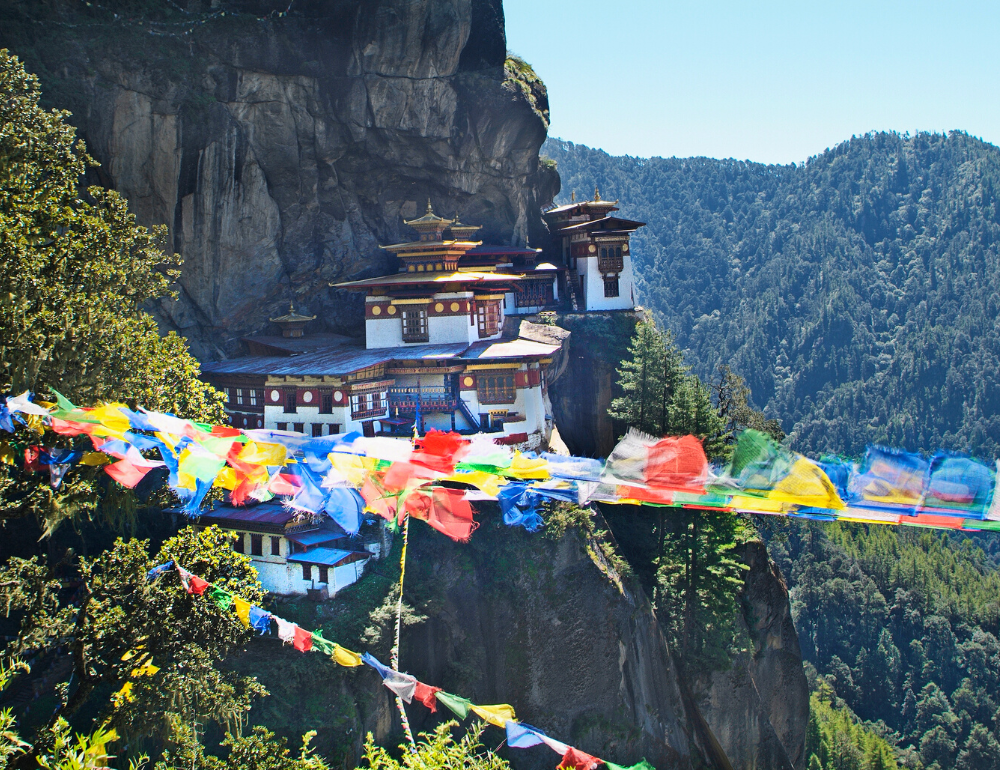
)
(857, 293)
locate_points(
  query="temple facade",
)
(442, 349)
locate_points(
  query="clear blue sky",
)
(767, 81)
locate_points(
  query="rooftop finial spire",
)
(572, 197)
(597, 193)
(429, 209)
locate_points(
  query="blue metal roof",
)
(327, 557)
(269, 514)
(315, 536)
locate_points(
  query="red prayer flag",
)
(303, 640)
(67, 427)
(226, 432)
(446, 510)
(579, 760)
(439, 450)
(32, 454)
(425, 694)
(126, 473)
(677, 463)
(195, 585)
(376, 500)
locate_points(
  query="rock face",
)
(766, 728)
(549, 628)
(281, 149)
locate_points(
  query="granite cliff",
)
(281, 143)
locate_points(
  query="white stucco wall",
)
(594, 281)
(308, 415)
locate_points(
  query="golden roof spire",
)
(597, 194)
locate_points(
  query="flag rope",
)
(394, 655)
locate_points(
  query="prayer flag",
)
(495, 715)
(641, 765)
(157, 571)
(242, 610)
(574, 758)
(446, 510)
(222, 598)
(260, 620)
(286, 630)
(322, 645)
(303, 640)
(460, 706)
(522, 736)
(425, 694)
(345, 657)
(192, 583)
(371, 660)
(401, 684)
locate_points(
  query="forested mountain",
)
(857, 293)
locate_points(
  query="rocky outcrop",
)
(759, 708)
(550, 628)
(282, 143)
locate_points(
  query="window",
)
(253, 396)
(415, 325)
(307, 571)
(496, 388)
(238, 546)
(488, 315)
(365, 405)
(326, 403)
(275, 546)
(324, 574)
(228, 395)
(534, 293)
(239, 395)
(610, 260)
(256, 545)
(611, 286)
(289, 402)
(317, 429)
(300, 427)
(282, 426)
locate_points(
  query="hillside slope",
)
(858, 293)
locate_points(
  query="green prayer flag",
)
(223, 599)
(65, 405)
(322, 645)
(457, 704)
(643, 765)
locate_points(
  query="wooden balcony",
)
(430, 398)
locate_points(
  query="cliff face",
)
(766, 731)
(282, 149)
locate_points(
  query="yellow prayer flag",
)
(351, 467)
(242, 610)
(345, 657)
(807, 484)
(262, 454)
(524, 468)
(146, 669)
(226, 479)
(497, 715)
(95, 459)
(111, 417)
(488, 483)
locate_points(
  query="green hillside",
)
(857, 293)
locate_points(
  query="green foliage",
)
(659, 395)
(835, 740)
(260, 750)
(732, 399)
(437, 750)
(75, 272)
(117, 620)
(698, 578)
(903, 623)
(857, 293)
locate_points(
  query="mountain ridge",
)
(845, 289)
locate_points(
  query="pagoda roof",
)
(292, 317)
(432, 245)
(618, 224)
(583, 205)
(518, 348)
(505, 251)
(402, 279)
(429, 218)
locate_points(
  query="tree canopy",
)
(75, 273)
(857, 293)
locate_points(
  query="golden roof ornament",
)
(597, 194)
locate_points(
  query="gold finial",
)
(572, 197)
(291, 306)
(597, 194)
(429, 209)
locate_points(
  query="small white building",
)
(594, 248)
(293, 553)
